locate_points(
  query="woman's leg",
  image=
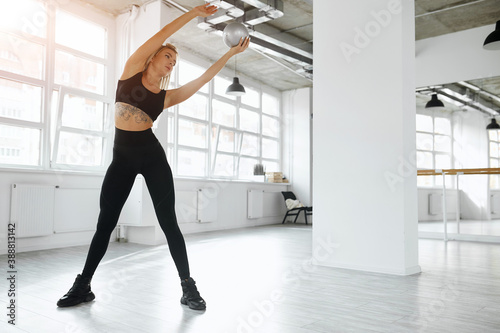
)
(160, 183)
(115, 189)
(114, 192)
(159, 180)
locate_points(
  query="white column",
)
(364, 187)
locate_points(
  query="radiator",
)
(32, 209)
(264, 204)
(436, 203)
(196, 206)
(255, 204)
(41, 210)
(207, 205)
(495, 203)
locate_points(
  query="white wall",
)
(364, 126)
(231, 208)
(455, 57)
(44, 178)
(232, 204)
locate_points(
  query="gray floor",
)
(259, 280)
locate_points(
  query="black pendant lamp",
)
(492, 42)
(235, 89)
(493, 125)
(434, 102)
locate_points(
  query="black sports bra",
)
(133, 92)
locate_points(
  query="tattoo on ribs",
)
(126, 111)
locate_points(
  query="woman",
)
(141, 96)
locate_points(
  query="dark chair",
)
(295, 211)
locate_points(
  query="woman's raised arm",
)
(176, 96)
(137, 60)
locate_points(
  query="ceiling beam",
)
(448, 8)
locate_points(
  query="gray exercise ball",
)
(233, 32)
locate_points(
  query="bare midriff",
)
(131, 118)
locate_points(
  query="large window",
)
(53, 83)
(434, 146)
(214, 135)
(494, 153)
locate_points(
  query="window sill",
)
(222, 180)
(52, 171)
(101, 173)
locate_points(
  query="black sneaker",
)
(191, 296)
(79, 293)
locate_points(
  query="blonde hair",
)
(165, 80)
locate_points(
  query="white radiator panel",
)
(495, 203)
(32, 209)
(436, 203)
(186, 203)
(196, 206)
(76, 209)
(255, 204)
(207, 205)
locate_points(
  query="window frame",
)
(212, 145)
(435, 152)
(27, 123)
(493, 178)
(48, 85)
(105, 134)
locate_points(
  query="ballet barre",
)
(457, 172)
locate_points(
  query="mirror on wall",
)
(454, 136)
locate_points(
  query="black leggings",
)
(134, 153)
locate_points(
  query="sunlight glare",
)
(79, 34)
(27, 16)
